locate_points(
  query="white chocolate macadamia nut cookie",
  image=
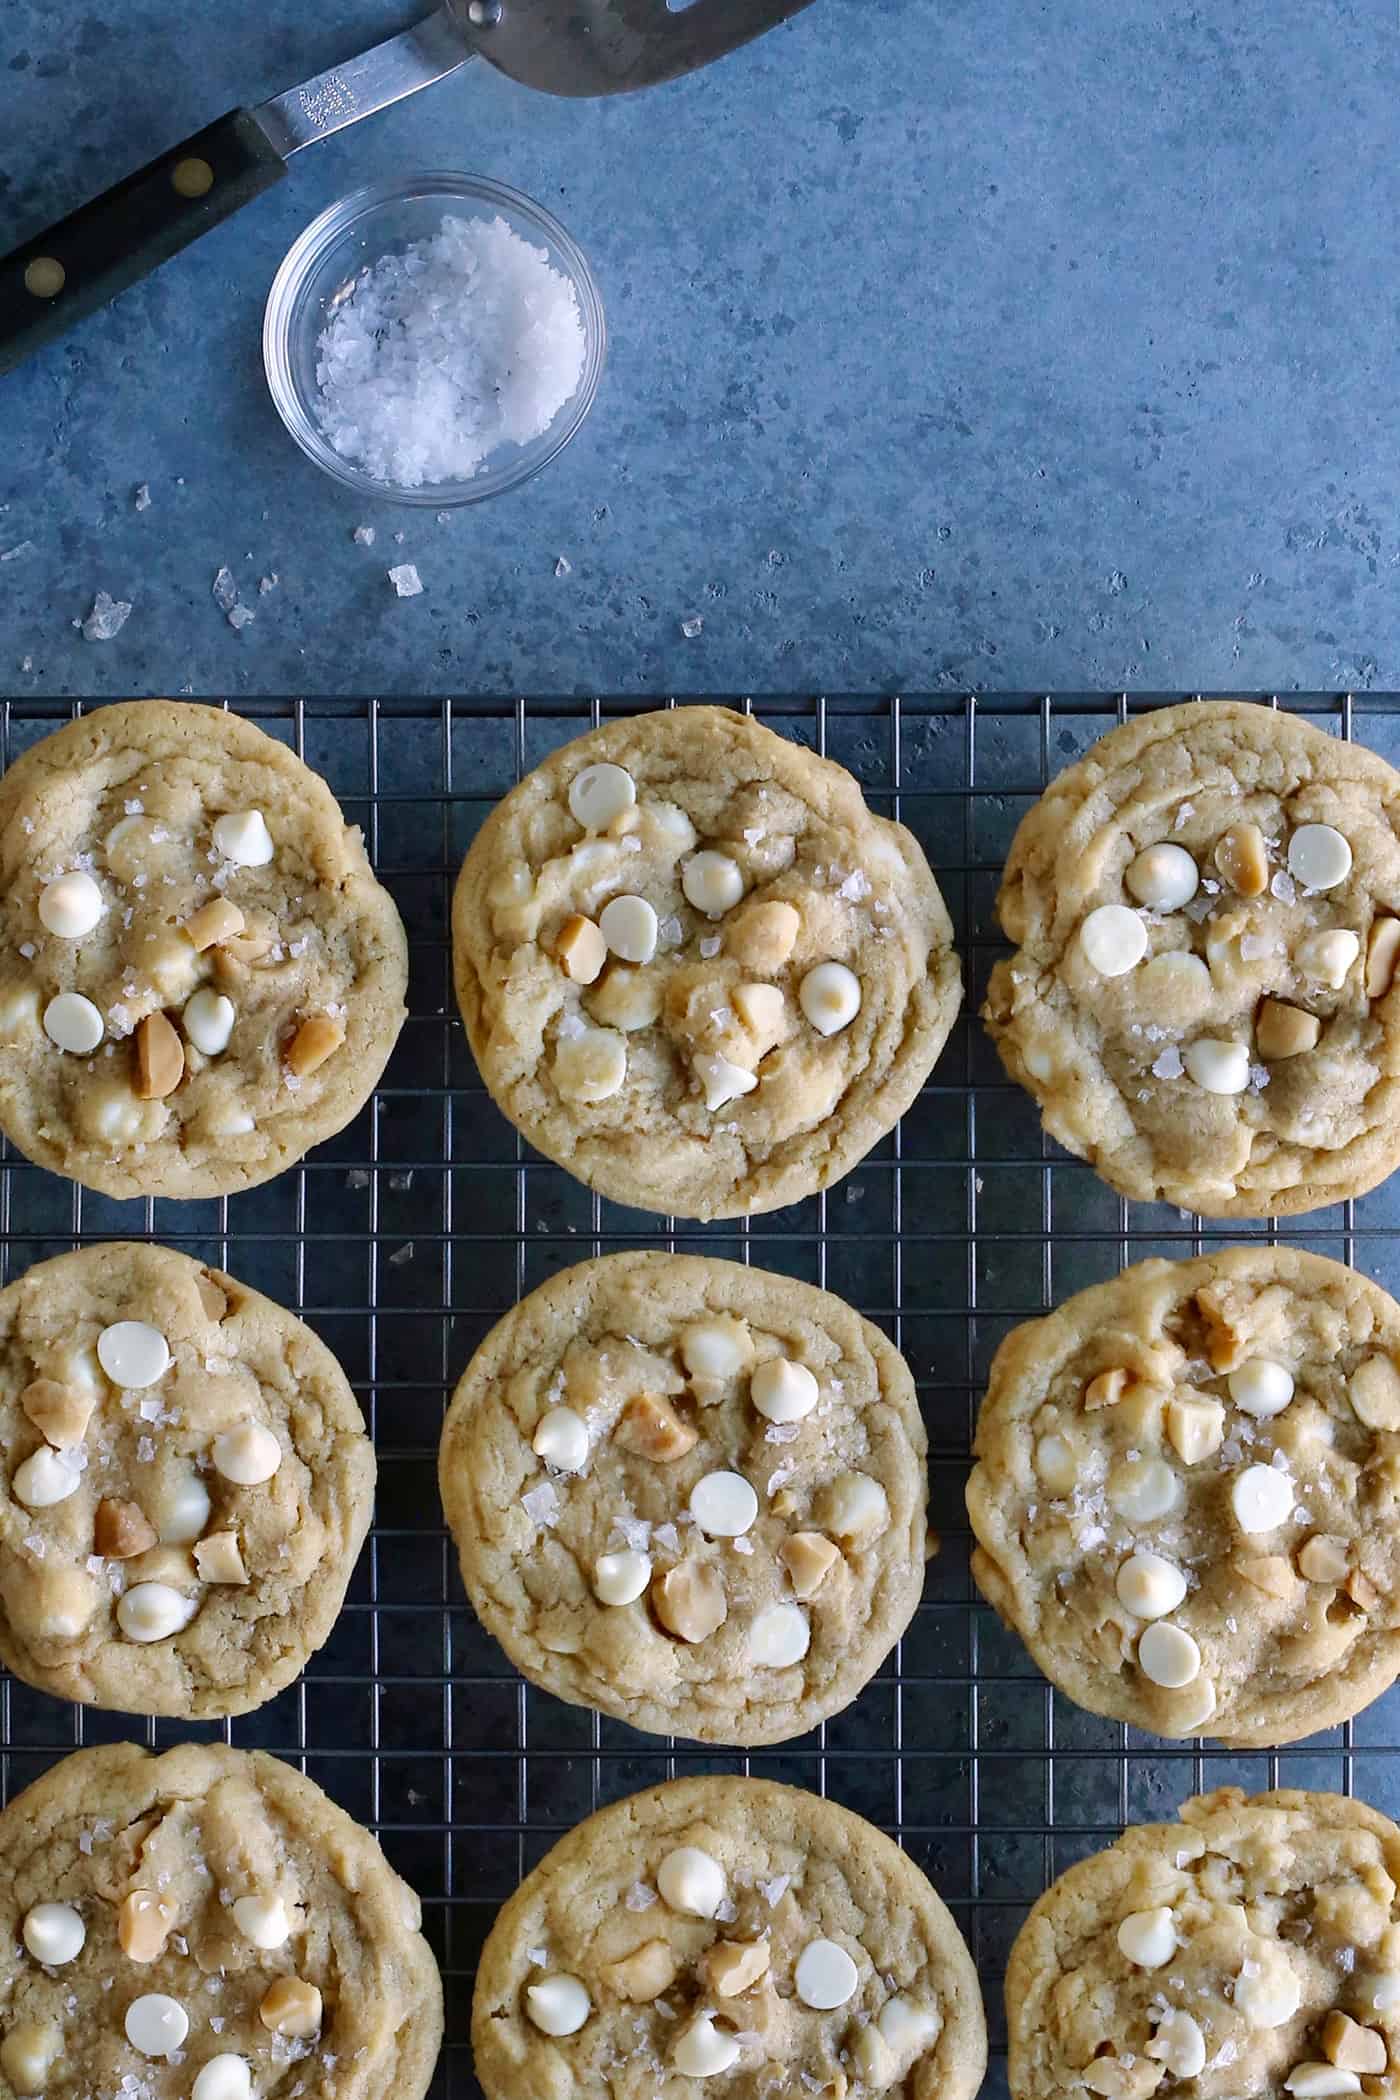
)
(1187, 1495)
(1206, 912)
(187, 1483)
(1252, 1948)
(689, 1494)
(200, 977)
(734, 1931)
(696, 969)
(136, 1952)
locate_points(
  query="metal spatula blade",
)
(563, 47)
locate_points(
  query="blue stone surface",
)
(954, 343)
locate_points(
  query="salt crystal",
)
(669, 931)
(240, 616)
(224, 590)
(268, 583)
(632, 1532)
(782, 1433)
(107, 618)
(1259, 1076)
(563, 567)
(364, 535)
(711, 946)
(27, 950)
(145, 1450)
(1283, 887)
(143, 496)
(447, 349)
(539, 1956)
(401, 1256)
(692, 626)
(1184, 815)
(14, 553)
(726, 1911)
(667, 1538)
(26, 663)
(1255, 946)
(639, 1897)
(541, 1503)
(1168, 1065)
(742, 1545)
(855, 887)
(406, 580)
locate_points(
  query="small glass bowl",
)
(321, 266)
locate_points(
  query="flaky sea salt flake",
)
(107, 618)
(406, 580)
(223, 589)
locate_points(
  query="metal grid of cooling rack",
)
(403, 1240)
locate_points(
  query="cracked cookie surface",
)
(690, 1494)
(200, 977)
(188, 1483)
(207, 1923)
(1251, 1949)
(1206, 910)
(1187, 1489)
(696, 969)
(730, 1930)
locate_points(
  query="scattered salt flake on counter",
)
(406, 580)
(639, 1897)
(107, 618)
(142, 498)
(240, 616)
(1168, 1064)
(401, 1256)
(563, 567)
(692, 626)
(364, 535)
(268, 583)
(26, 663)
(541, 1503)
(445, 350)
(223, 589)
(21, 548)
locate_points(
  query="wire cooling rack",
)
(404, 1240)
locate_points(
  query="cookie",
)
(1206, 912)
(188, 1483)
(689, 1494)
(695, 969)
(734, 1931)
(200, 977)
(1253, 1947)
(1187, 1495)
(205, 1924)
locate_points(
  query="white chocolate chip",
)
(153, 1611)
(1113, 940)
(783, 1391)
(873, 2059)
(184, 1512)
(1261, 1387)
(702, 2050)
(1321, 2081)
(70, 905)
(263, 1920)
(243, 837)
(1267, 1989)
(1149, 1586)
(1327, 958)
(1055, 1465)
(628, 925)
(45, 1478)
(906, 2027)
(620, 1578)
(1318, 857)
(72, 1023)
(713, 883)
(1163, 877)
(779, 1637)
(720, 1348)
(558, 2005)
(561, 1439)
(590, 1067)
(1147, 1938)
(1217, 1067)
(224, 2077)
(723, 1504)
(219, 1558)
(54, 1934)
(1143, 1489)
(208, 1020)
(599, 794)
(248, 1454)
(853, 1507)
(28, 2053)
(1179, 2044)
(1195, 1428)
(825, 1975)
(830, 997)
(1167, 1655)
(1374, 1392)
(133, 1354)
(722, 1080)
(1261, 1498)
(156, 2025)
(691, 1882)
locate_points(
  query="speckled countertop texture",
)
(954, 343)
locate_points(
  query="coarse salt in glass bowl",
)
(322, 269)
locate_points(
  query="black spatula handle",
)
(121, 236)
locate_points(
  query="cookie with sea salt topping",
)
(696, 969)
(730, 1930)
(200, 977)
(689, 1494)
(206, 1925)
(1206, 911)
(1253, 1947)
(186, 1485)
(1187, 1495)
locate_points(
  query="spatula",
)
(564, 47)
